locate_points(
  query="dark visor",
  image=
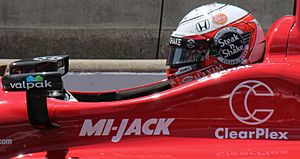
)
(187, 52)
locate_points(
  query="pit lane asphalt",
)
(104, 81)
(97, 65)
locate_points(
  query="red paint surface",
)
(199, 109)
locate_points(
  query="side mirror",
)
(38, 77)
(59, 63)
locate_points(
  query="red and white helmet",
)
(212, 38)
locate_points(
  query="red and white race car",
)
(250, 111)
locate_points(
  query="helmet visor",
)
(185, 55)
(179, 56)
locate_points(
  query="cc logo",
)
(251, 117)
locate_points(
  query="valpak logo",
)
(32, 82)
(250, 115)
(106, 127)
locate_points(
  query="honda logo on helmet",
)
(203, 25)
(251, 117)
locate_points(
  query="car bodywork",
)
(244, 112)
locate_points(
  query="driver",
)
(212, 38)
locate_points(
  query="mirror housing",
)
(59, 63)
(40, 78)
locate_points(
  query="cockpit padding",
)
(123, 95)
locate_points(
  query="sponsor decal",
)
(249, 153)
(32, 82)
(187, 79)
(191, 43)
(106, 127)
(199, 74)
(175, 41)
(253, 116)
(232, 45)
(203, 25)
(182, 70)
(218, 74)
(258, 133)
(221, 73)
(6, 141)
(209, 70)
(219, 18)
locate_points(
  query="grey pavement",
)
(106, 81)
(95, 65)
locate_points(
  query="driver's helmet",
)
(212, 38)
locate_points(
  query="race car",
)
(250, 111)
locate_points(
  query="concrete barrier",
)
(105, 28)
(104, 43)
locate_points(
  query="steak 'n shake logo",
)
(248, 115)
(232, 45)
(32, 82)
(107, 127)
